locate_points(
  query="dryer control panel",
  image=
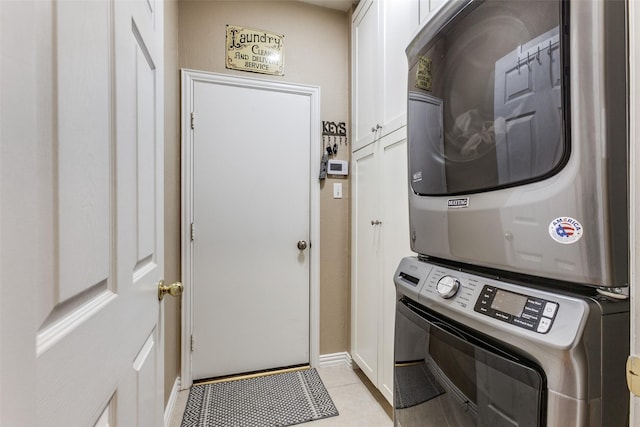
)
(534, 314)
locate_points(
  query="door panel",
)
(145, 366)
(81, 233)
(94, 185)
(395, 234)
(366, 88)
(365, 269)
(400, 22)
(83, 191)
(251, 206)
(145, 144)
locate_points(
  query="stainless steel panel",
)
(508, 229)
(582, 355)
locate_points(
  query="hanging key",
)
(324, 161)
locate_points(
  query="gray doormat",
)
(273, 400)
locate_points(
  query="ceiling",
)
(343, 5)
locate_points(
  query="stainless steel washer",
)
(476, 351)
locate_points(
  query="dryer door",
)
(446, 375)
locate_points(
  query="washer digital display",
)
(508, 302)
(528, 312)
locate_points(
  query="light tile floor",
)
(358, 407)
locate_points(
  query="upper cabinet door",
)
(366, 57)
(381, 31)
(401, 20)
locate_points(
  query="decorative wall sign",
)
(337, 131)
(254, 50)
(334, 129)
(423, 75)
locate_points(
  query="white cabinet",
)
(380, 239)
(380, 33)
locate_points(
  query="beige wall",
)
(316, 53)
(172, 194)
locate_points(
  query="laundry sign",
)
(254, 50)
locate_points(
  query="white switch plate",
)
(337, 190)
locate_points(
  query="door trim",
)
(634, 192)
(188, 79)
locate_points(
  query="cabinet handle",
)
(377, 126)
(376, 222)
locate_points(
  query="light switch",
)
(337, 190)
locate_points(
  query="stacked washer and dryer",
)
(515, 311)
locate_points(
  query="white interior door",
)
(81, 215)
(250, 288)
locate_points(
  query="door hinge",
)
(193, 345)
(193, 232)
(193, 120)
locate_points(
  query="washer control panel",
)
(534, 314)
(494, 306)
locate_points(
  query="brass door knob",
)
(174, 289)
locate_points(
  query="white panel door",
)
(251, 207)
(365, 269)
(81, 213)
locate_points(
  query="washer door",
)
(446, 375)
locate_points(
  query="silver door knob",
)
(302, 245)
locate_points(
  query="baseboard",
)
(335, 359)
(168, 411)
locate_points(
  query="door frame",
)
(634, 194)
(188, 79)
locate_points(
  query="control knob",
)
(447, 286)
